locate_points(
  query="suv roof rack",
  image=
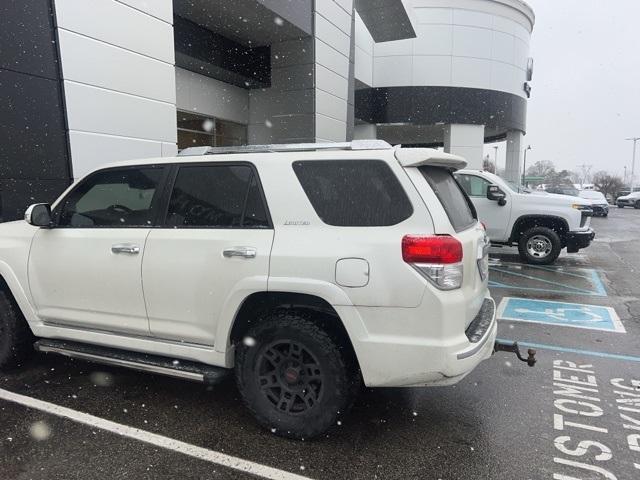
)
(287, 147)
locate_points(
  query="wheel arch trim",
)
(10, 279)
(326, 292)
(515, 236)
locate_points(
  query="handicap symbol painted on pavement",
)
(577, 315)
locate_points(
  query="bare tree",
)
(607, 184)
(488, 165)
(542, 168)
(563, 177)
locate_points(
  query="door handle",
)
(245, 252)
(125, 248)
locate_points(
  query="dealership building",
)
(84, 83)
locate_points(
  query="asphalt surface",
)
(505, 420)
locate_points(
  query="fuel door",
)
(352, 272)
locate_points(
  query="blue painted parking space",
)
(548, 279)
(576, 315)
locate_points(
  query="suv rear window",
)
(458, 207)
(354, 193)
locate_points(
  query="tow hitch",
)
(501, 346)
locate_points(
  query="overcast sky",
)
(586, 84)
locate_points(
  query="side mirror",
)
(39, 215)
(494, 193)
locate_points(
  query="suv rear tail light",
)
(438, 258)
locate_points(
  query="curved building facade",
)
(88, 83)
(461, 82)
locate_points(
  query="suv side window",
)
(473, 185)
(217, 196)
(455, 202)
(354, 193)
(112, 198)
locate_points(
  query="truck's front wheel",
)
(16, 340)
(293, 376)
(539, 246)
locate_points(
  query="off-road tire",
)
(636, 205)
(332, 396)
(620, 206)
(16, 339)
(544, 233)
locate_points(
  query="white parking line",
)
(152, 438)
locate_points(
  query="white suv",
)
(540, 224)
(630, 200)
(306, 269)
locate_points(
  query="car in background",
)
(599, 203)
(564, 190)
(630, 200)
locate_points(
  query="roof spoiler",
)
(418, 157)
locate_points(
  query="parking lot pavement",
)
(575, 415)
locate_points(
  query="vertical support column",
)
(285, 113)
(466, 141)
(366, 131)
(513, 171)
(334, 50)
(351, 101)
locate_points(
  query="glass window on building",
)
(199, 131)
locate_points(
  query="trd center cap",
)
(291, 375)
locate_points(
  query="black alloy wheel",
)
(294, 376)
(290, 377)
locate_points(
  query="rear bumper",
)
(579, 240)
(478, 331)
(393, 361)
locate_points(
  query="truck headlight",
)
(581, 207)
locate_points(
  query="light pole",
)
(633, 162)
(524, 167)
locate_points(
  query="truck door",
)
(496, 218)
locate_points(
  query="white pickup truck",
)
(540, 224)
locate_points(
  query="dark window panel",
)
(452, 197)
(422, 105)
(34, 141)
(354, 193)
(17, 194)
(27, 41)
(216, 196)
(112, 198)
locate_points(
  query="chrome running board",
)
(142, 362)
